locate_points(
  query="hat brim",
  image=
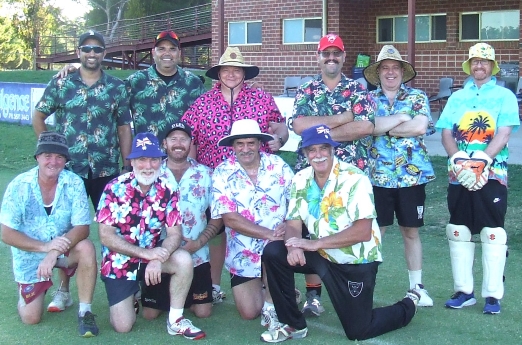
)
(229, 140)
(170, 39)
(372, 75)
(467, 69)
(46, 148)
(157, 154)
(251, 71)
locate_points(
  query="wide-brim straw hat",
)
(483, 51)
(388, 52)
(233, 57)
(242, 129)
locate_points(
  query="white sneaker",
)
(61, 301)
(425, 299)
(218, 296)
(268, 317)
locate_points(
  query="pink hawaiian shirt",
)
(138, 219)
(211, 118)
(264, 203)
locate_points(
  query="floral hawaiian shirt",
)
(263, 203)
(346, 197)
(397, 162)
(474, 115)
(89, 117)
(315, 99)
(211, 119)
(22, 210)
(156, 105)
(194, 191)
(138, 219)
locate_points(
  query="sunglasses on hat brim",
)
(165, 34)
(88, 49)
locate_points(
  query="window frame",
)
(480, 38)
(394, 35)
(245, 23)
(303, 27)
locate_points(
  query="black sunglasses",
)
(88, 49)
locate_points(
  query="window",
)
(490, 26)
(244, 33)
(428, 28)
(306, 30)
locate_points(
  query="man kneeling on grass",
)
(45, 219)
(334, 200)
(133, 210)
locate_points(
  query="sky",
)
(73, 10)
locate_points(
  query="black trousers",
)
(350, 288)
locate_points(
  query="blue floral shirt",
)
(263, 203)
(194, 191)
(397, 162)
(23, 210)
(315, 99)
(474, 116)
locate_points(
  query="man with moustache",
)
(92, 110)
(476, 125)
(335, 201)
(193, 182)
(250, 194)
(133, 210)
(212, 116)
(342, 104)
(45, 219)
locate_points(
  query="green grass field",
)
(431, 326)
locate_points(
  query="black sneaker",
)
(87, 325)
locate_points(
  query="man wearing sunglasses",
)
(92, 110)
(342, 104)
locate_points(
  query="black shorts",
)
(158, 296)
(119, 289)
(407, 204)
(486, 207)
(238, 280)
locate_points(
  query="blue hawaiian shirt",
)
(397, 162)
(22, 210)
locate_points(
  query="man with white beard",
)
(133, 210)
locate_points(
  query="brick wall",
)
(355, 22)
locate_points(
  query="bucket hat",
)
(388, 52)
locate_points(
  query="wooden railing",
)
(188, 22)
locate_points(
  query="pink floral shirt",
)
(211, 118)
(138, 219)
(264, 203)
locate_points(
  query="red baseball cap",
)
(330, 40)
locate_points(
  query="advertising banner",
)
(17, 102)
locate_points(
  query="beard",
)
(146, 180)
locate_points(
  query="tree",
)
(110, 12)
(13, 53)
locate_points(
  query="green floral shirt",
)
(156, 105)
(346, 197)
(89, 117)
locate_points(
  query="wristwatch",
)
(281, 141)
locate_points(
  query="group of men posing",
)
(201, 162)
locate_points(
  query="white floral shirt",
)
(194, 198)
(263, 203)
